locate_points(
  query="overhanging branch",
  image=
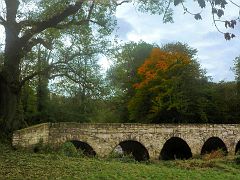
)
(33, 42)
(51, 22)
(120, 3)
(77, 23)
(34, 74)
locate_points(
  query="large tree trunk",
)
(9, 76)
(9, 87)
(16, 48)
(8, 104)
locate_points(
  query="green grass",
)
(27, 165)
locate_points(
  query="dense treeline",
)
(170, 86)
(146, 84)
(49, 68)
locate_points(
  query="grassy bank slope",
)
(25, 165)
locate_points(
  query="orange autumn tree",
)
(159, 63)
(159, 93)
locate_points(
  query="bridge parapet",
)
(104, 137)
(32, 135)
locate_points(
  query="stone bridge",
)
(144, 141)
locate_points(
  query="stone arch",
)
(84, 147)
(237, 150)
(175, 148)
(213, 144)
(137, 149)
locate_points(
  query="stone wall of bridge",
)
(103, 138)
(32, 135)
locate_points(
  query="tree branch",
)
(120, 3)
(34, 74)
(27, 23)
(90, 10)
(30, 23)
(166, 10)
(77, 23)
(51, 22)
(234, 3)
(2, 21)
(33, 42)
(187, 11)
(214, 20)
(64, 75)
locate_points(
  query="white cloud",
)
(214, 52)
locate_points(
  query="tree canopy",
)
(60, 41)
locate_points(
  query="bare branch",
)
(2, 21)
(237, 6)
(234, 3)
(120, 3)
(187, 11)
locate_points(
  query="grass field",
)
(27, 165)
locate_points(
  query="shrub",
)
(128, 158)
(121, 157)
(214, 154)
(68, 149)
(237, 160)
(80, 153)
(115, 155)
(39, 146)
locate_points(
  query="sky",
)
(215, 54)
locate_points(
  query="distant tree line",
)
(167, 85)
(49, 67)
(145, 84)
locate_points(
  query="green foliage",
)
(237, 74)
(156, 7)
(66, 54)
(181, 94)
(123, 74)
(62, 41)
(139, 106)
(224, 103)
(29, 103)
(174, 94)
(177, 2)
(180, 48)
(237, 68)
(68, 149)
(121, 157)
(128, 158)
(39, 146)
(237, 160)
(202, 3)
